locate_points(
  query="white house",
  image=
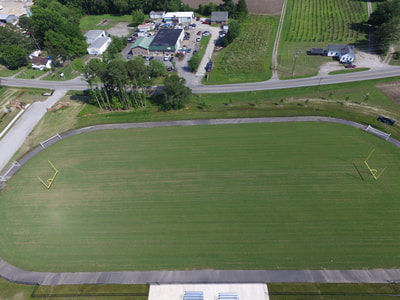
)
(99, 46)
(179, 16)
(13, 19)
(39, 63)
(157, 14)
(98, 41)
(146, 27)
(345, 53)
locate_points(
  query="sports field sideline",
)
(250, 196)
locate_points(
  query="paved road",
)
(14, 274)
(16, 136)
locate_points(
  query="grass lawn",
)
(344, 71)
(254, 196)
(30, 74)
(68, 70)
(248, 58)
(343, 291)
(4, 72)
(90, 22)
(315, 24)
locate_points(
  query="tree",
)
(194, 62)
(175, 93)
(229, 6)
(138, 17)
(79, 65)
(233, 32)
(13, 56)
(157, 68)
(241, 10)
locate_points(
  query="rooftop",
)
(166, 38)
(219, 16)
(98, 43)
(179, 14)
(91, 35)
(143, 42)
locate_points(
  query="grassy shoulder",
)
(337, 72)
(31, 74)
(4, 72)
(248, 58)
(337, 291)
(90, 22)
(67, 70)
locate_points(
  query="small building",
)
(219, 17)
(157, 14)
(146, 27)
(317, 51)
(39, 63)
(99, 46)
(12, 19)
(345, 53)
(92, 35)
(167, 41)
(179, 17)
(142, 45)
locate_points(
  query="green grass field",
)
(90, 22)
(315, 24)
(255, 196)
(248, 58)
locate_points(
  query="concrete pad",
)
(245, 291)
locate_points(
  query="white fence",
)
(377, 132)
(51, 140)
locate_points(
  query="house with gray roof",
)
(219, 17)
(98, 41)
(345, 53)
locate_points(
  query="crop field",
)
(315, 24)
(251, 196)
(248, 58)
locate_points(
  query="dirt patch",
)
(259, 7)
(104, 22)
(366, 60)
(119, 29)
(392, 90)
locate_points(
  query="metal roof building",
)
(167, 40)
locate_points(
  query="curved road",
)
(14, 274)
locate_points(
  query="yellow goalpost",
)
(374, 172)
(49, 181)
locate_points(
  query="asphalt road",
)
(79, 84)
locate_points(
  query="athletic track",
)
(14, 274)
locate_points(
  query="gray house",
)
(219, 17)
(8, 19)
(345, 53)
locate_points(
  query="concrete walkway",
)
(14, 274)
(18, 133)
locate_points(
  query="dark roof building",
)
(345, 53)
(167, 40)
(219, 17)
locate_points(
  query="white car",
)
(166, 57)
(198, 39)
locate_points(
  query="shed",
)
(167, 41)
(141, 45)
(99, 46)
(8, 19)
(316, 51)
(219, 17)
(179, 16)
(157, 14)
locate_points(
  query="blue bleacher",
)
(193, 296)
(228, 296)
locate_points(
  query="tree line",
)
(386, 22)
(117, 84)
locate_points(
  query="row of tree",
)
(386, 22)
(118, 84)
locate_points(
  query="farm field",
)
(254, 196)
(315, 24)
(248, 58)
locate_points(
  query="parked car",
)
(189, 50)
(199, 32)
(197, 18)
(166, 57)
(129, 56)
(209, 66)
(193, 25)
(222, 32)
(350, 66)
(198, 39)
(206, 33)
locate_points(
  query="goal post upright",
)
(374, 172)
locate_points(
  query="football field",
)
(249, 196)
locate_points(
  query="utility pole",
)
(295, 59)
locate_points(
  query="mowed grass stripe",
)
(251, 196)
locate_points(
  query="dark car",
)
(129, 56)
(350, 66)
(199, 32)
(209, 66)
(189, 50)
